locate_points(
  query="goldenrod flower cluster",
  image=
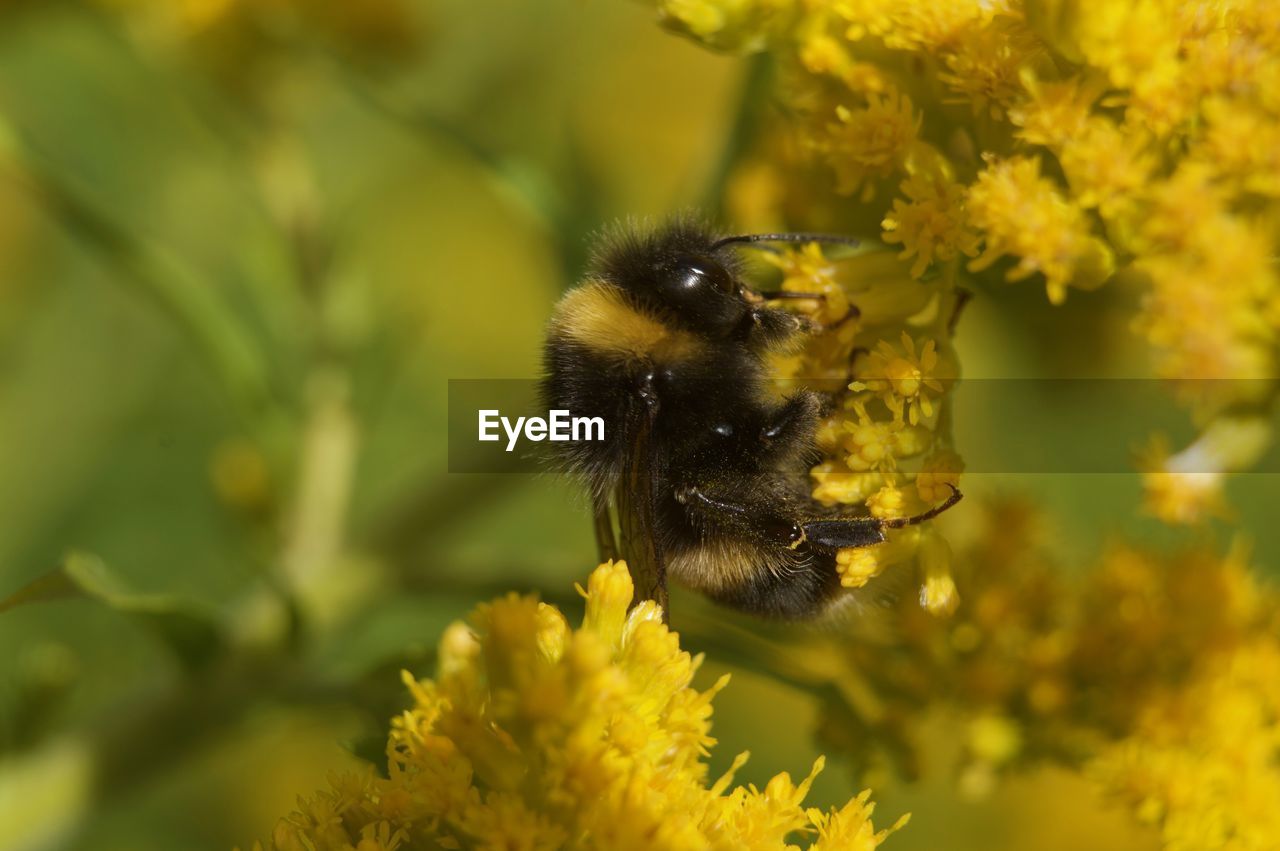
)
(1158, 676)
(534, 735)
(884, 351)
(1201, 764)
(1077, 144)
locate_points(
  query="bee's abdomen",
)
(760, 579)
(801, 593)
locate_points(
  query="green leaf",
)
(52, 586)
(398, 632)
(191, 632)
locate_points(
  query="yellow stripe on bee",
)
(597, 316)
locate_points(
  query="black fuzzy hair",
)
(630, 249)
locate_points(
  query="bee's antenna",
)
(749, 238)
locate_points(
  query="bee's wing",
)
(635, 501)
(606, 543)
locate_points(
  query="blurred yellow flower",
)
(1178, 497)
(538, 736)
(1107, 167)
(939, 474)
(1054, 113)
(869, 142)
(939, 594)
(1077, 144)
(930, 225)
(1203, 764)
(1021, 213)
(835, 484)
(985, 64)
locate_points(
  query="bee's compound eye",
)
(702, 290)
(692, 276)
(723, 429)
(708, 273)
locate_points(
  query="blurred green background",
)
(243, 247)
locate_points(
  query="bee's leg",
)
(854, 314)
(753, 520)
(796, 415)
(839, 534)
(844, 534)
(793, 422)
(771, 328)
(900, 522)
(779, 295)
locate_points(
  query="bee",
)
(704, 469)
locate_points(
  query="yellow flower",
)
(1023, 214)
(1055, 112)
(1178, 498)
(987, 62)
(1242, 142)
(887, 503)
(807, 270)
(939, 474)
(1187, 488)
(930, 225)
(1219, 270)
(835, 486)
(537, 736)
(860, 565)
(1107, 167)
(870, 444)
(903, 379)
(1203, 764)
(850, 828)
(1161, 117)
(869, 142)
(938, 594)
(994, 739)
(1128, 40)
(938, 25)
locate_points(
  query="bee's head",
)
(700, 292)
(689, 277)
(679, 273)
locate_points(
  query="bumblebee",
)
(704, 469)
